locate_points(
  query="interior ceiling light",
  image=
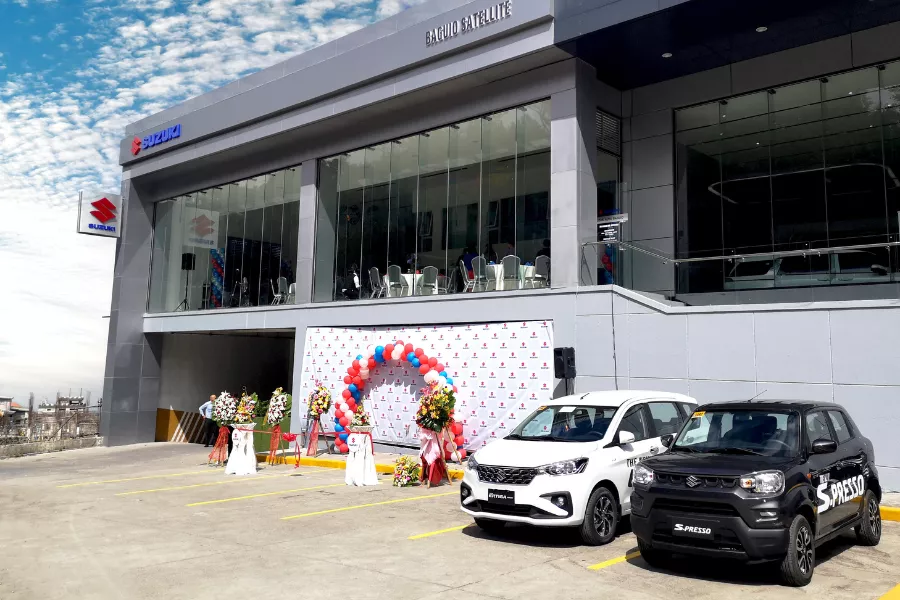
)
(667, 55)
(762, 29)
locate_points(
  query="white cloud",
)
(56, 139)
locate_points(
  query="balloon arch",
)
(358, 375)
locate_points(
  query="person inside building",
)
(209, 426)
(545, 250)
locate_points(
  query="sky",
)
(72, 75)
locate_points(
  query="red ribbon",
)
(219, 452)
(274, 446)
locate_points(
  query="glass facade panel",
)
(806, 166)
(228, 246)
(421, 208)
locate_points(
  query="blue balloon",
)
(416, 363)
(338, 427)
(344, 436)
(449, 381)
(379, 358)
(379, 350)
(411, 356)
(359, 357)
(354, 395)
(443, 373)
(352, 387)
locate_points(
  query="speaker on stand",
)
(188, 261)
(564, 365)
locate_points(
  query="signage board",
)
(100, 215)
(468, 23)
(201, 228)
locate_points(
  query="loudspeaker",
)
(564, 363)
(187, 261)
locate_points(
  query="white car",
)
(570, 462)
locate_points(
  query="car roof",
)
(617, 398)
(799, 405)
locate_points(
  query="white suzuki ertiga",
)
(570, 462)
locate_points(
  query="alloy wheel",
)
(603, 516)
(804, 549)
(874, 517)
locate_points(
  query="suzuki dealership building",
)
(700, 196)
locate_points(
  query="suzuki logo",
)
(105, 210)
(135, 146)
(203, 227)
(692, 482)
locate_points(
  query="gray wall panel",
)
(861, 357)
(658, 346)
(594, 332)
(875, 410)
(793, 347)
(721, 347)
(676, 386)
(721, 391)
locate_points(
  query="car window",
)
(687, 408)
(817, 263)
(635, 422)
(817, 427)
(840, 426)
(570, 423)
(666, 418)
(741, 431)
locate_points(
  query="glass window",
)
(635, 422)
(841, 429)
(565, 423)
(742, 431)
(666, 418)
(421, 209)
(817, 427)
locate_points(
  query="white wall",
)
(195, 366)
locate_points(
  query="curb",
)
(334, 463)
(890, 513)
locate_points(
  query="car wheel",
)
(652, 556)
(800, 561)
(490, 525)
(868, 533)
(601, 516)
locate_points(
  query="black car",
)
(758, 481)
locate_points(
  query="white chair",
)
(541, 276)
(292, 294)
(397, 285)
(428, 285)
(511, 277)
(444, 283)
(376, 283)
(479, 274)
(468, 283)
(277, 298)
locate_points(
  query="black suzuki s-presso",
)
(758, 481)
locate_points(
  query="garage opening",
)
(197, 365)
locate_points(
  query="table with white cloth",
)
(411, 280)
(360, 460)
(496, 282)
(242, 460)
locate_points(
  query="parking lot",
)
(153, 521)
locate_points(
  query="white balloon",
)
(364, 373)
(442, 381)
(396, 354)
(345, 407)
(370, 351)
(430, 377)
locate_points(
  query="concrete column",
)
(297, 406)
(573, 181)
(131, 380)
(306, 239)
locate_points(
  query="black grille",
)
(709, 481)
(695, 507)
(521, 510)
(505, 475)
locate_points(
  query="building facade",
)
(696, 195)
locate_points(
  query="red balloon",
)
(358, 382)
(454, 389)
(372, 363)
(338, 413)
(344, 448)
(462, 453)
(350, 371)
(389, 349)
(385, 356)
(356, 364)
(448, 455)
(408, 348)
(424, 369)
(459, 441)
(439, 367)
(353, 372)
(433, 362)
(457, 428)
(346, 394)
(344, 421)
(347, 379)
(419, 352)
(351, 404)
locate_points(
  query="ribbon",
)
(292, 437)
(219, 452)
(274, 446)
(368, 434)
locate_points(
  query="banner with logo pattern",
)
(502, 371)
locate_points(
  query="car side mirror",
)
(626, 437)
(667, 440)
(824, 446)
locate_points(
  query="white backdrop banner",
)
(503, 371)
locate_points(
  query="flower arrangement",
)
(435, 407)
(224, 409)
(246, 408)
(406, 471)
(319, 401)
(361, 418)
(279, 406)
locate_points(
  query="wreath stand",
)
(314, 432)
(441, 462)
(219, 455)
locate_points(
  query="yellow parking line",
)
(894, 594)
(206, 472)
(613, 561)
(227, 481)
(438, 532)
(334, 510)
(282, 492)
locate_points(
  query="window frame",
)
(806, 429)
(639, 407)
(850, 433)
(652, 423)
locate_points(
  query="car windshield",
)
(741, 431)
(565, 423)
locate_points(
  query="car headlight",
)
(763, 482)
(472, 464)
(563, 467)
(643, 476)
